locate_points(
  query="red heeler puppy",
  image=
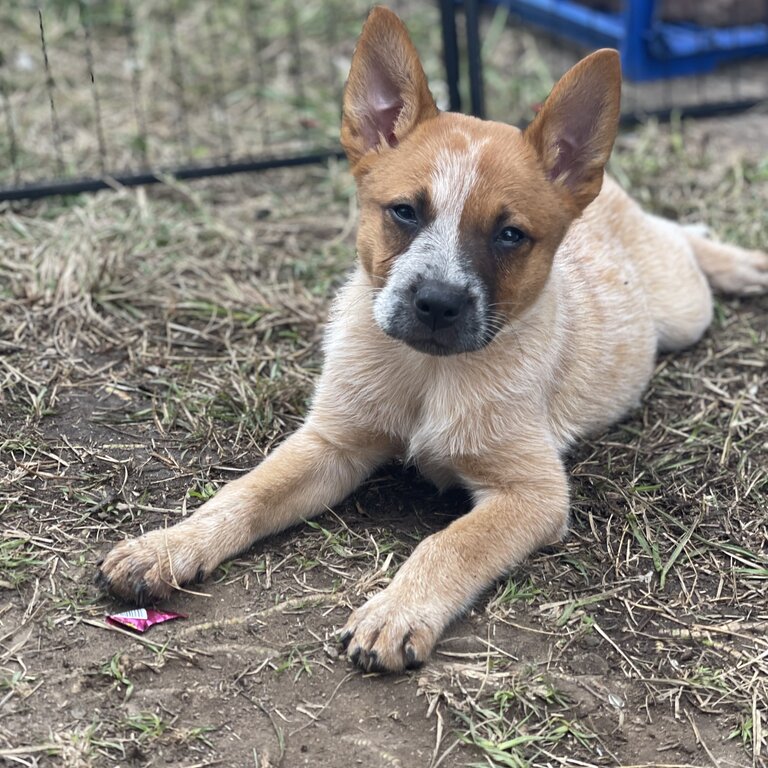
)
(509, 298)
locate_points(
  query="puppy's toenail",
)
(141, 592)
(375, 665)
(102, 581)
(411, 661)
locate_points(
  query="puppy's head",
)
(461, 218)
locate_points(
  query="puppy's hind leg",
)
(680, 278)
(677, 290)
(729, 268)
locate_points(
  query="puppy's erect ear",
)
(574, 132)
(386, 94)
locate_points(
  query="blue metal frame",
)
(650, 49)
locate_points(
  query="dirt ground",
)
(156, 342)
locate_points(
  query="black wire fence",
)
(108, 92)
(102, 93)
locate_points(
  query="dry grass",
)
(153, 343)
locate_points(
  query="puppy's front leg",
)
(398, 628)
(307, 473)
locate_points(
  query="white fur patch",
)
(454, 177)
(435, 253)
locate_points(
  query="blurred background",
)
(113, 89)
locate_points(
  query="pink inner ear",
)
(384, 104)
(566, 159)
(573, 145)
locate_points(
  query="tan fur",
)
(582, 306)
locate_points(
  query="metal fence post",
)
(450, 53)
(474, 58)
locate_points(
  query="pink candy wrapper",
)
(142, 619)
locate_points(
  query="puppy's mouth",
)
(442, 344)
(435, 348)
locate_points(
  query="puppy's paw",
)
(738, 271)
(150, 567)
(388, 634)
(750, 274)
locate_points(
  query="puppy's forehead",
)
(481, 174)
(455, 171)
(458, 162)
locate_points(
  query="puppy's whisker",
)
(514, 317)
(367, 296)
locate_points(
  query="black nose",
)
(439, 305)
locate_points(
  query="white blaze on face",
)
(454, 177)
(435, 253)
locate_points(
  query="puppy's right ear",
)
(387, 93)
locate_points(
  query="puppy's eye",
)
(510, 237)
(405, 214)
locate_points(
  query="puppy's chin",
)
(437, 350)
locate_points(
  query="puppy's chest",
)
(448, 422)
(435, 408)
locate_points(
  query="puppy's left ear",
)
(573, 134)
(387, 93)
